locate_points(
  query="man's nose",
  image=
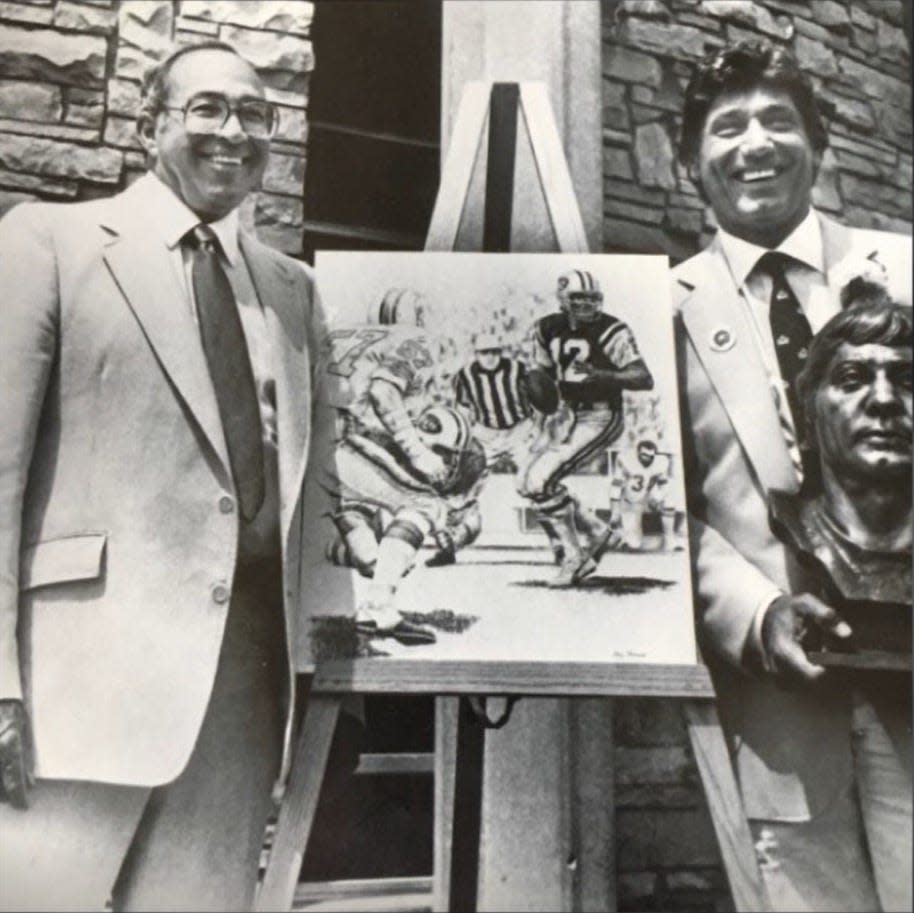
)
(885, 394)
(756, 139)
(232, 129)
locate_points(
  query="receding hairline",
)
(157, 81)
(193, 51)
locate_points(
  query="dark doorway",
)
(372, 174)
(374, 116)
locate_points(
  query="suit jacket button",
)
(226, 504)
(220, 594)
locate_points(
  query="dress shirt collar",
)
(172, 218)
(804, 243)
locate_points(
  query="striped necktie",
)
(229, 367)
(791, 333)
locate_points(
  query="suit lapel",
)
(280, 294)
(724, 340)
(146, 278)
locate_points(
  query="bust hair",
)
(740, 67)
(154, 90)
(870, 315)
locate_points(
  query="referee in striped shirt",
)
(489, 386)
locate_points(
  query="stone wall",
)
(69, 94)
(858, 57)
(667, 857)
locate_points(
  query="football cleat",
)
(375, 617)
(571, 571)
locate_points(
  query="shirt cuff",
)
(754, 639)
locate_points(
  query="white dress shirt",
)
(805, 272)
(169, 220)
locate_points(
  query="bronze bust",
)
(852, 527)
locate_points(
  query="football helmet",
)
(579, 295)
(443, 429)
(447, 431)
(399, 305)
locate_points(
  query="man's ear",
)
(146, 132)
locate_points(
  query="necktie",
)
(229, 367)
(792, 334)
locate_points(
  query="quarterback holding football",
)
(583, 359)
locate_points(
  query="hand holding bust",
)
(854, 529)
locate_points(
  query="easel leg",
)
(446, 713)
(725, 805)
(467, 820)
(296, 814)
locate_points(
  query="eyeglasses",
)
(209, 113)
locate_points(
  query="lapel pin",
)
(722, 339)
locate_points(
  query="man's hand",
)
(15, 754)
(429, 464)
(792, 623)
(583, 368)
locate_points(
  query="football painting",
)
(505, 478)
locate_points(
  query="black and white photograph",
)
(456, 455)
(507, 476)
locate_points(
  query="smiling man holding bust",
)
(804, 740)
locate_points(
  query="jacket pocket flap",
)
(62, 560)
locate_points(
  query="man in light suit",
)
(151, 515)
(824, 767)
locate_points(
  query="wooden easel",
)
(460, 800)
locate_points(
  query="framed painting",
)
(503, 484)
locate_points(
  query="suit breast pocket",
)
(62, 560)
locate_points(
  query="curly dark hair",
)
(738, 67)
(870, 315)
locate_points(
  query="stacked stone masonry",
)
(858, 57)
(70, 88)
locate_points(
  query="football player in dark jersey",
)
(593, 357)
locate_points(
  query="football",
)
(542, 391)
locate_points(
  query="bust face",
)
(862, 413)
